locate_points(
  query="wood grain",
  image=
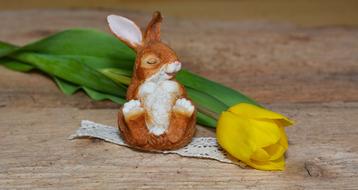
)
(309, 74)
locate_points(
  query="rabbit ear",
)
(126, 30)
(153, 28)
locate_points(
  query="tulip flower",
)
(254, 135)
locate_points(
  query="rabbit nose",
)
(173, 67)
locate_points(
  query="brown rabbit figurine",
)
(158, 114)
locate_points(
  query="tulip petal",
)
(275, 151)
(283, 140)
(252, 111)
(263, 133)
(260, 155)
(284, 122)
(278, 164)
(232, 136)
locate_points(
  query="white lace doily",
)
(200, 147)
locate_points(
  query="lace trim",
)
(200, 147)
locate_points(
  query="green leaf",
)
(16, 65)
(95, 48)
(205, 120)
(69, 88)
(118, 71)
(206, 101)
(95, 95)
(117, 75)
(6, 48)
(101, 62)
(72, 71)
(66, 87)
(85, 42)
(225, 94)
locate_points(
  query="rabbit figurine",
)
(157, 115)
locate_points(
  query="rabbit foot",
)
(157, 130)
(131, 108)
(184, 106)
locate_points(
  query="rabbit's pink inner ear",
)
(153, 28)
(126, 30)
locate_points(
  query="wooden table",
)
(308, 74)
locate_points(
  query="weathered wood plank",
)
(34, 152)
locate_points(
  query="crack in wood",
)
(313, 169)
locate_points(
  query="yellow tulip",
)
(254, 135)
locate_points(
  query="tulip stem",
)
(207, 112)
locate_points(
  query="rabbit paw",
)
(157, 130)
(173, 67)
(133, 107)
(184, 106)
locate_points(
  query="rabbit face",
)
(156, 59)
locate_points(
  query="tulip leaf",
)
(85, 42)
(205, 120)
(66, 87)
(206, 101)
(117, 75)
(118, 71)
(101, 62)
(16, 65)
(6, 49)
(72, 71)
(69, 88)
(225, 94)
(95, 95)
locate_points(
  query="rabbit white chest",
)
(158, 99)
